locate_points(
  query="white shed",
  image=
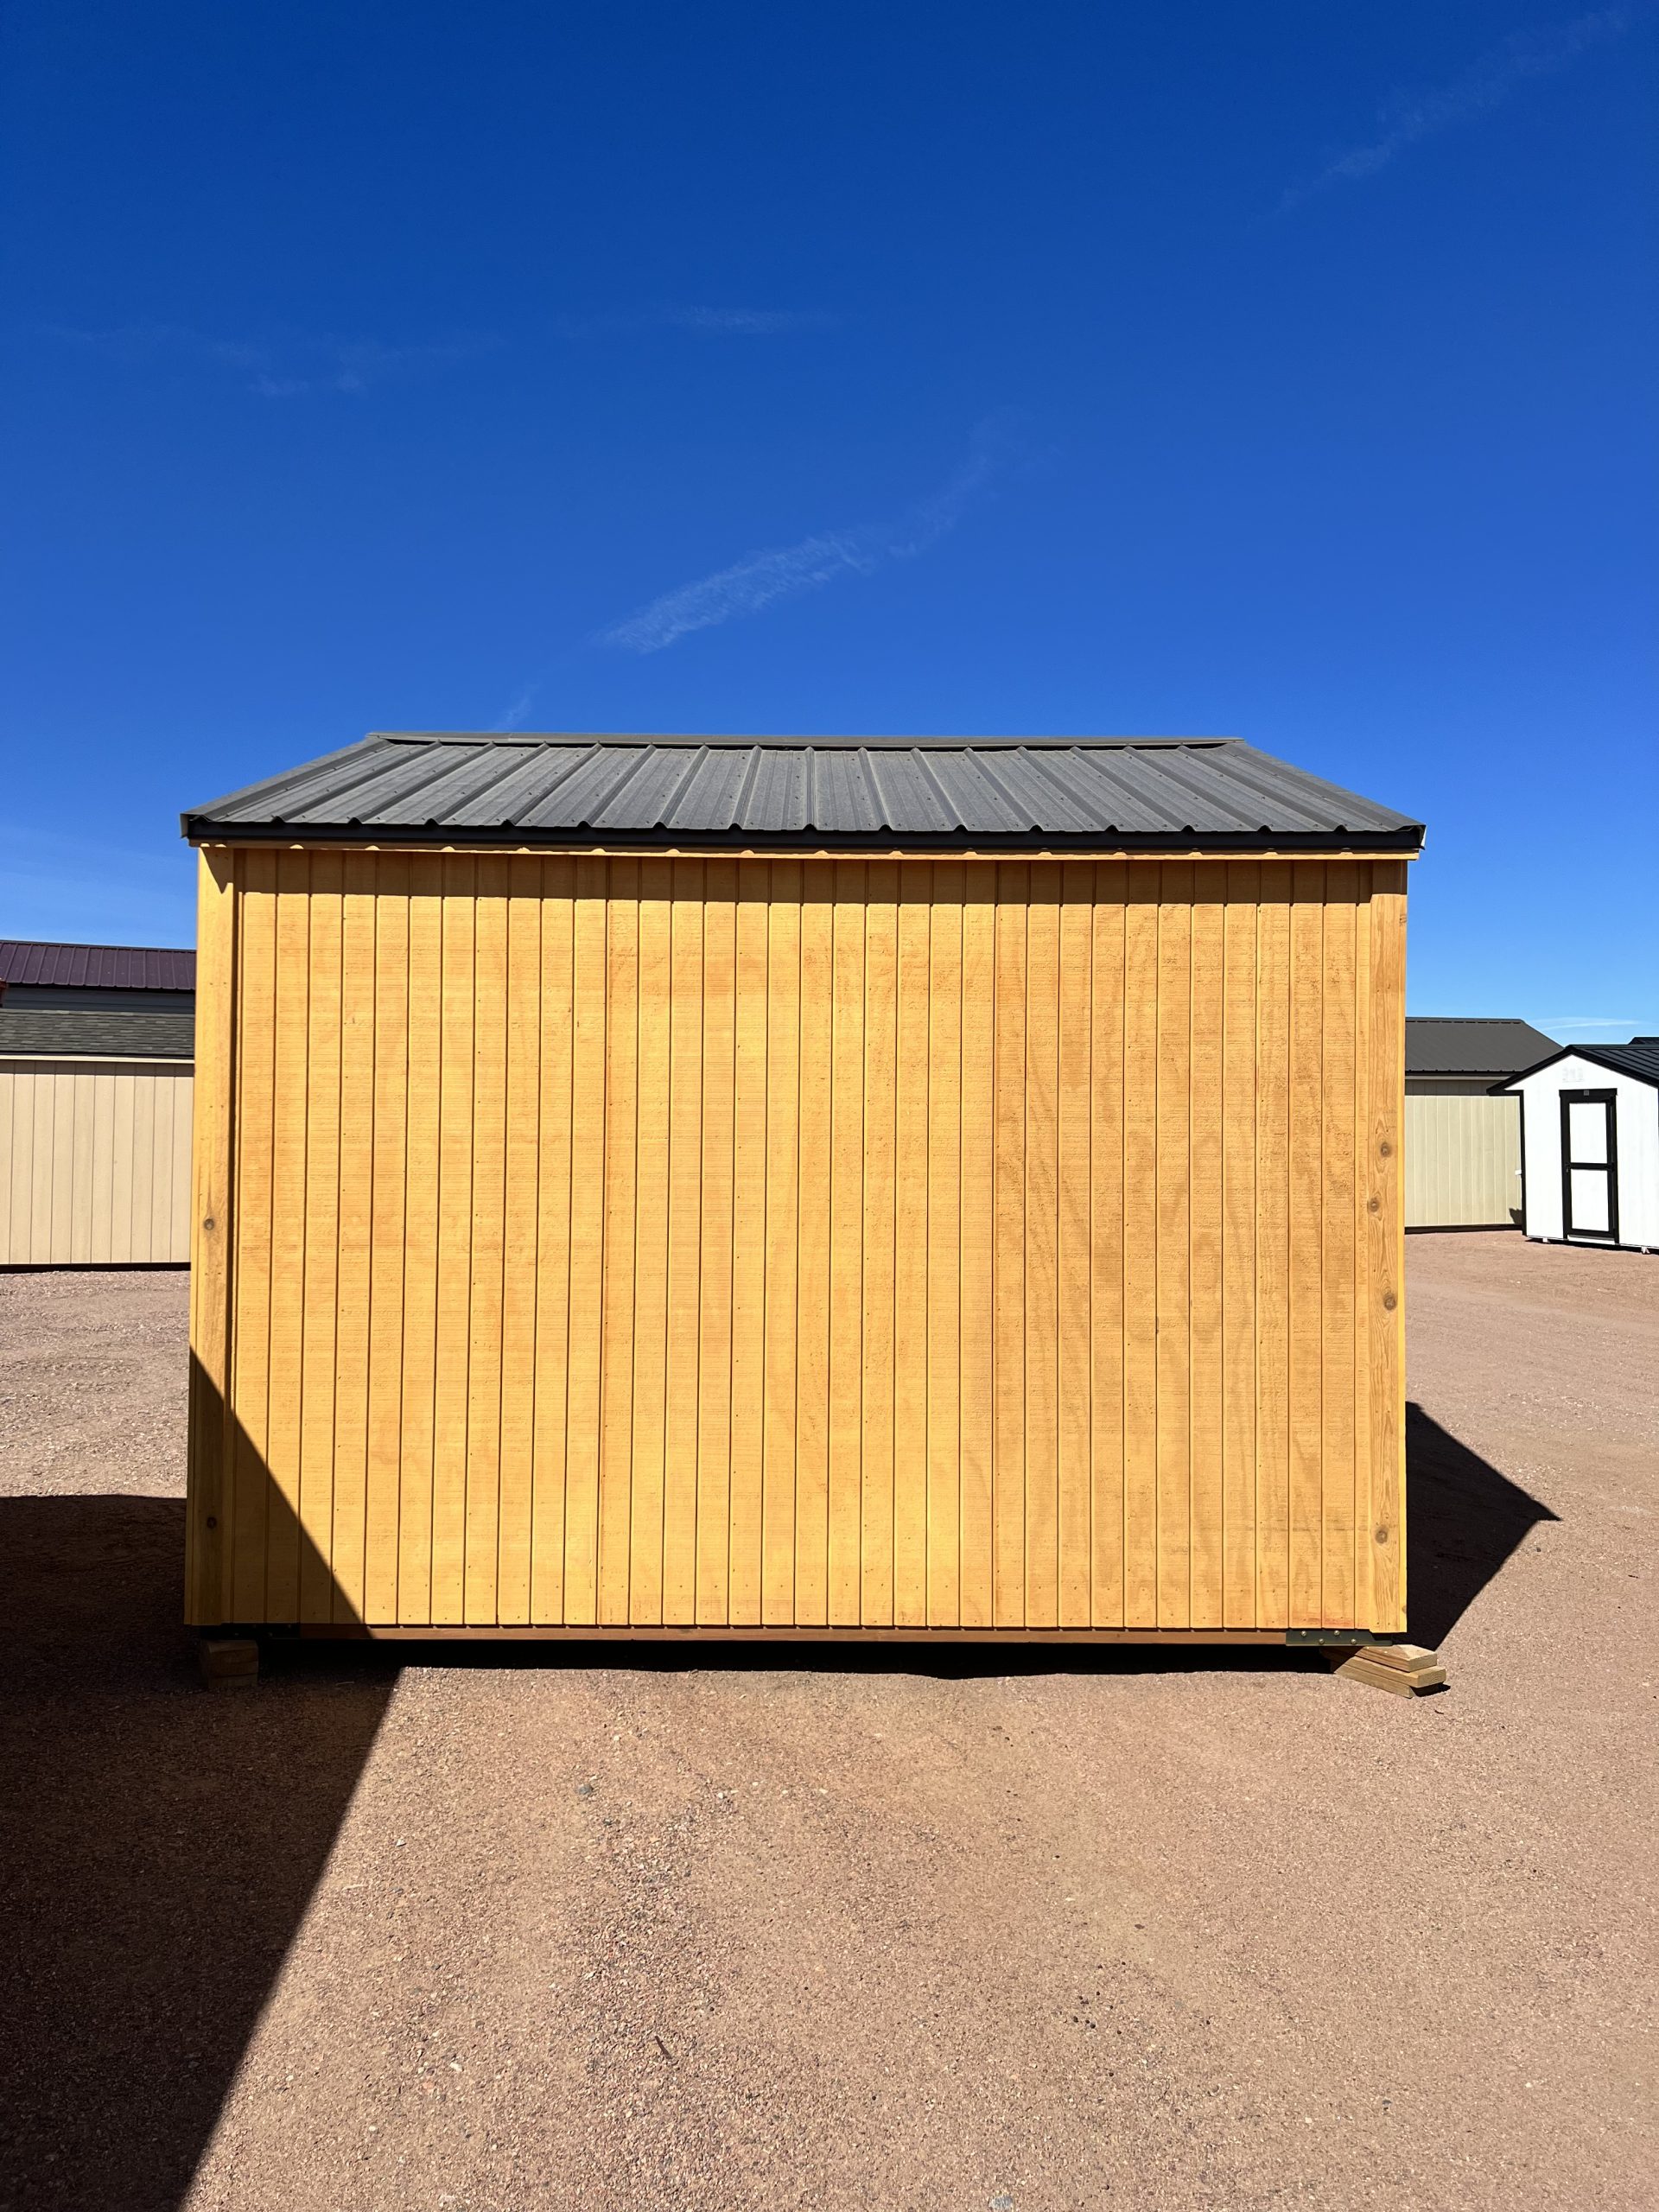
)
(1590, 1145)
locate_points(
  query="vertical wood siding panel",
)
(910, 1251)
(353, 1264)
(1042, 1249)
(1273, 1247)
(1173, 1355)
(486, 1240)
(1107, 1100)
(812, 1318)
(1362, 1194)
(653, 1293)
(716, 1275)
(394, 1080)
(1206, 1315)
(977, 1266)
(1306, 1235)
(589, 1203)
(944, 1248)
(623, 1024)
(1008, 1474)
(420, 1301)
(783, 1239)
(1385, 1286)
(253, 1077)
(749, 1235)
(456, 1152)
(684, 1215)
(1141, 1223)
(213, 1235)
(880, 1173)
(1238, 1139)
(1075, 1194)
(846, 1316)
(288, 1271)
(520, 1255)
(557, 1017)
(1337, 1302)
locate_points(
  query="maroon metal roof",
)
(98, 967)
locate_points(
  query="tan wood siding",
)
(667, 1241)
(94, 1163)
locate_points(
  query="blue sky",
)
(1286, 371)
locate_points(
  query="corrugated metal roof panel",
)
(1473, 1044)
(98, 967)
(944, 792)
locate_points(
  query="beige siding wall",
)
(94, 1162)
(1463, 1162)
(826, 1244)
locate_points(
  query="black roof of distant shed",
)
(1476, 1045)
(946, 793)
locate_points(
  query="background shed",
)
(1590, 1128)
(800, 1186)
(1463, 1145)
(96, 1050)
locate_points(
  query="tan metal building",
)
(95, 1119)
(781, 1186)
(1463, 1145)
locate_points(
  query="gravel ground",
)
(499, 1931)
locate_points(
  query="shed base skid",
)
(1406, 1669)
(229, 1661)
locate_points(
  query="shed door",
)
(1590, 1165)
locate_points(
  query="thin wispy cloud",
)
(1486, 84)
(1582, 1021)
(284, 368)
(761, 580)
(514, 717)
(716, 322)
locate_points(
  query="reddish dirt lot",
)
(523, 1931)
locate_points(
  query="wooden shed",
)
(653, 1186)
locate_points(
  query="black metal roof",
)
(98, 967)
(1640, 1058)
(47, 1034)
(441, 787)
(1477, 1045)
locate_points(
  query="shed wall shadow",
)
(158, 1848)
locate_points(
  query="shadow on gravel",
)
(158, 1846)
(1463, 1521)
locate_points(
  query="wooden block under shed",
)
(228, 1663)
(1405, 1668)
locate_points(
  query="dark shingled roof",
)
(1479, 1045)
(48, 1035)
(947, 793)
(98, 967)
